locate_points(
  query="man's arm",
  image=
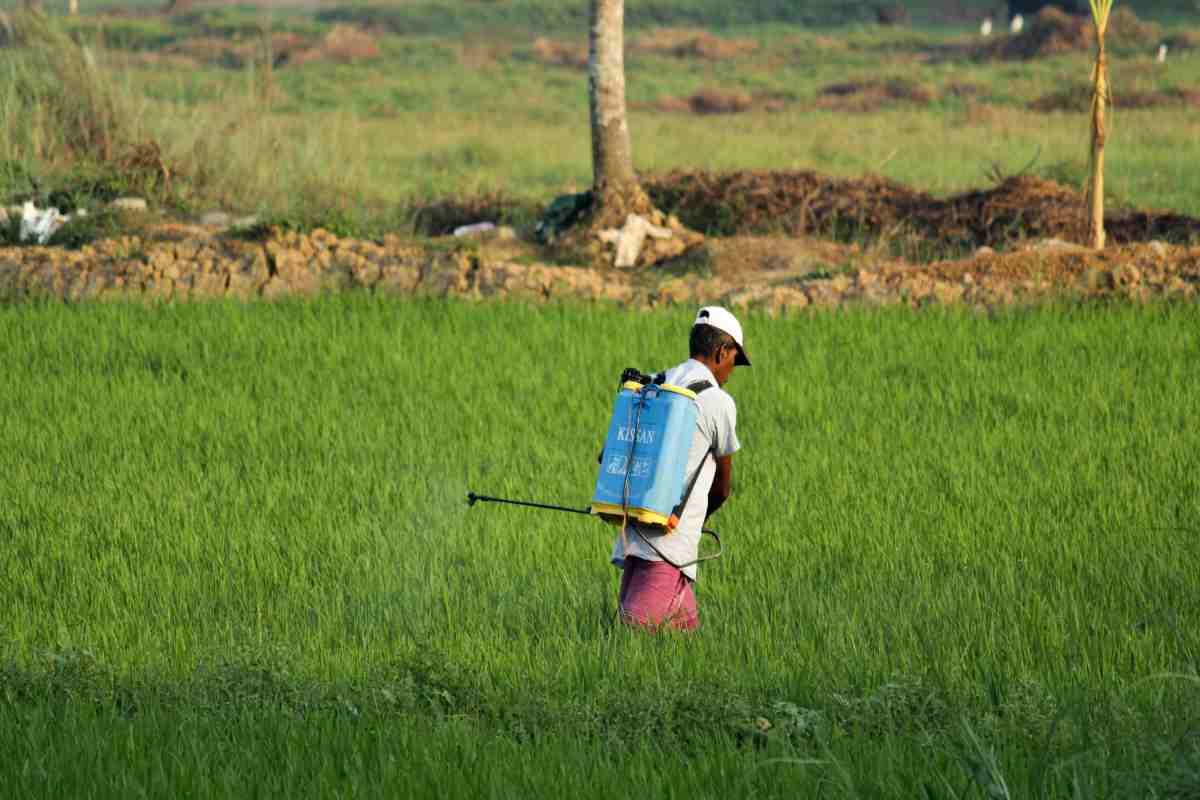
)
(722, 485)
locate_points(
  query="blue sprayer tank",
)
(648, 441)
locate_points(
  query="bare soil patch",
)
(682, 43)
(692, 43)
(343, 44)
(556, 53)
(1184, 40)
(708, 100)
(1078, 98)
(867, 96)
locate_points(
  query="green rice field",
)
(236, 558)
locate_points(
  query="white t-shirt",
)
(716, 430)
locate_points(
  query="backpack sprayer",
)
(643, 465)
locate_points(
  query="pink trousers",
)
(654, 594)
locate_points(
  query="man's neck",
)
(708, 363)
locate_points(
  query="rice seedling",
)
(959, 551)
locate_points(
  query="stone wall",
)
(296, 265)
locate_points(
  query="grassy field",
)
(237, 558)
(440, 102)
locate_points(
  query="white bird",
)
(1162, 54)
(985, 30)
(1017, 25)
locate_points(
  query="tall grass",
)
(952, 537)
(68, 112)
(56, 101)
(437, 116)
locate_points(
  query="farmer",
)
(653, 592)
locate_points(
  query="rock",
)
(948, 293)
(630, 239)
(1098, 280)
(3, 216)
(209, 284)
(275, 289)
(1053, 244)
(475, 229)
(131, 205)
(984, 251)
(245, 222)
(215, 219)
(665, 249)
(1160, 249)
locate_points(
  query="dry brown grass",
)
(692, 43)
(812, 204)
(560, 54)
(346, 44)
(1184, 40)
(482, 53)
(1054, 32)
(873, 95)
(343, 44)
(711, 100)
(1079, 99)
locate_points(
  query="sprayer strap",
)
(697, 387)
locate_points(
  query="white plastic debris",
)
(132, 205)
(630, 239)
(40, 224)
(471, 230)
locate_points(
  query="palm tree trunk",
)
(614, 183)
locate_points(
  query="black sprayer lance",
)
(473, 498)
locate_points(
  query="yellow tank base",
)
(614, 514)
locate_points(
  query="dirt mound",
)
(873, 209)
(560, 54)
(1184, 40)
(1054, 32)
(343, 44)
(441, 217)
(866, 96)
(711, 100)
(1079, 99)
(346, 44)
(707, 101)
(691, 43)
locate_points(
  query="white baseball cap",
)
(722, 320)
